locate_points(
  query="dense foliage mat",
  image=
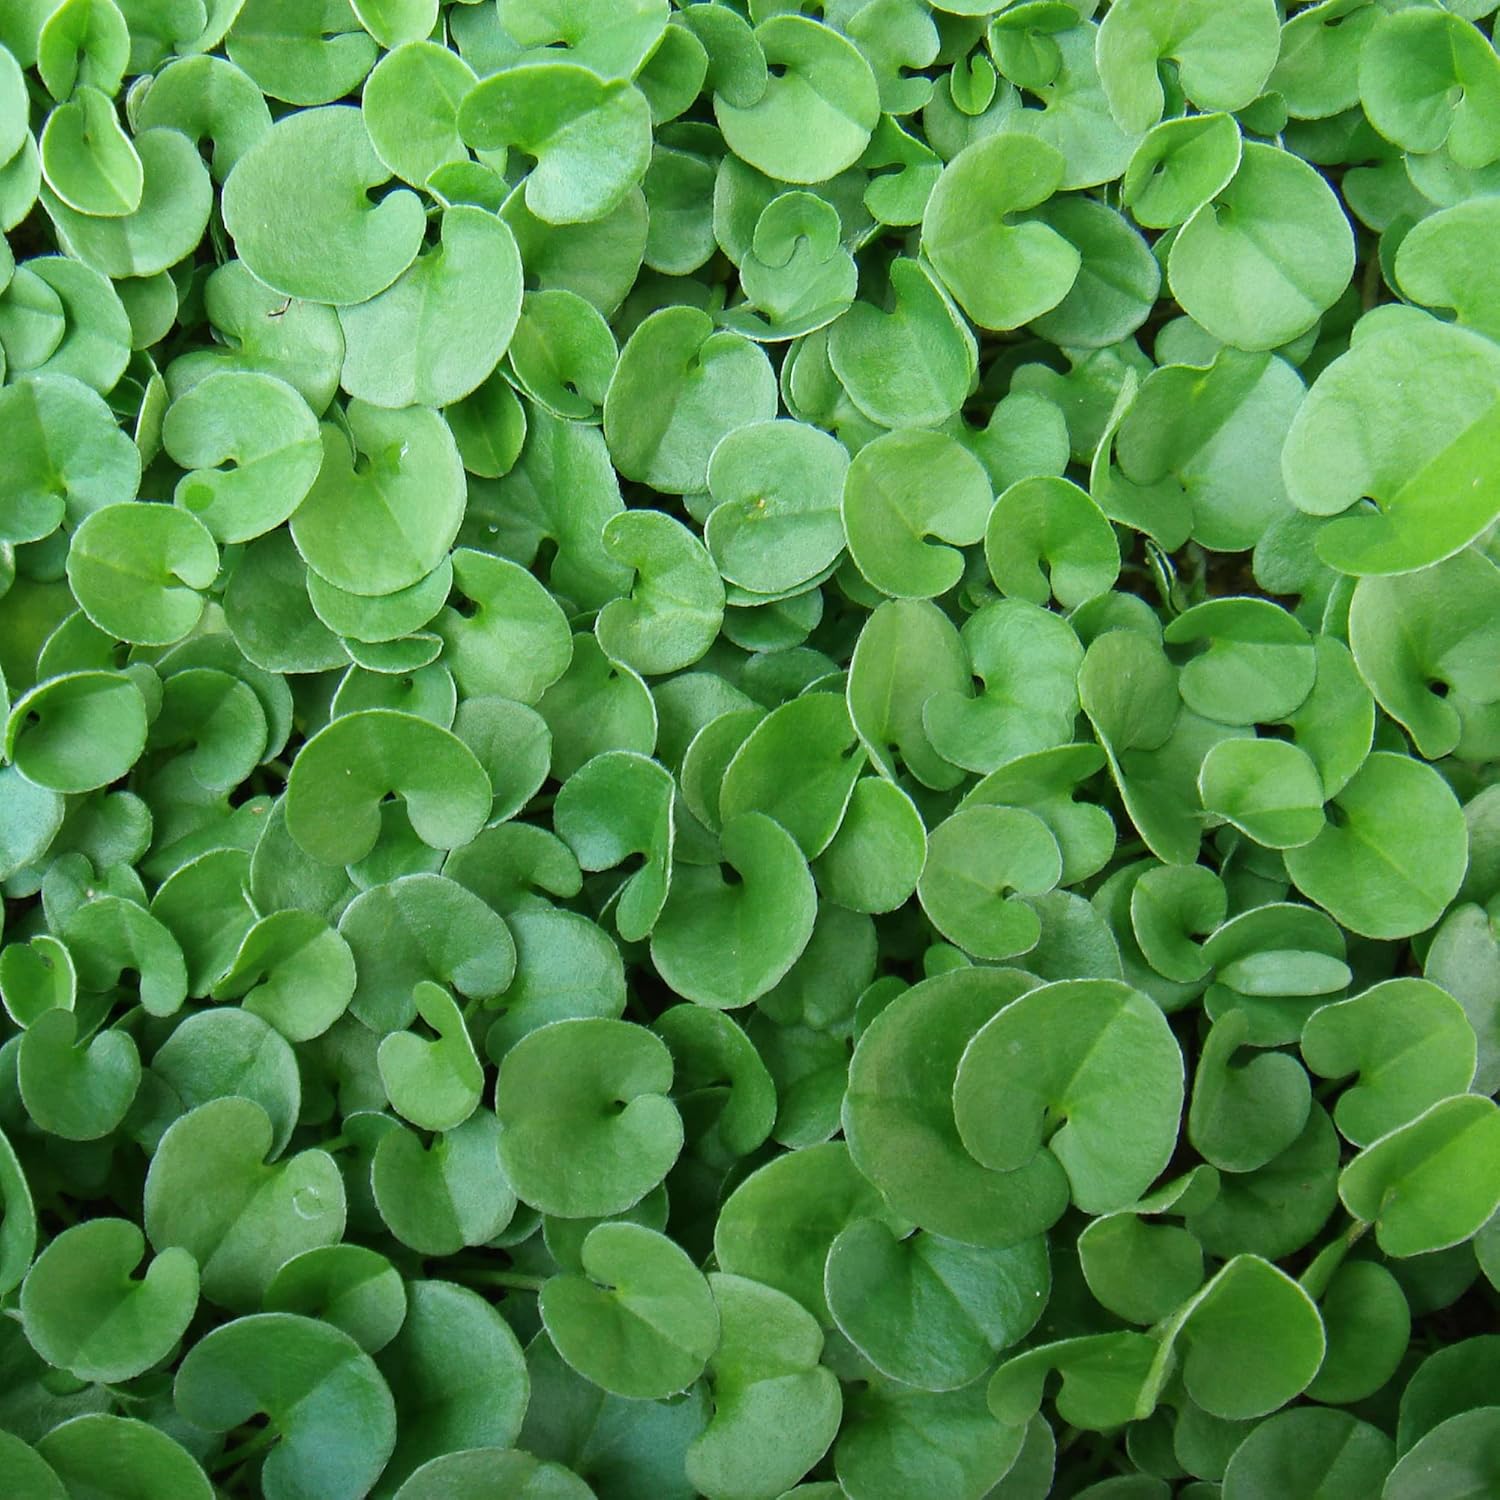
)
(749, 749)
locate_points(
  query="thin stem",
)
(512, 1279)
(232, 1458)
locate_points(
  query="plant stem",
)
(513, 1279)
(232, 1458)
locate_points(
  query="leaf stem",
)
(232, 1458)
(512, 1279)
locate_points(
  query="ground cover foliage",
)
(749, 749)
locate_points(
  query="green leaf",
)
(349, 766)
(138, 571)
(799, 766)
(1179, 166)
(1455, 1459)
(1050, 520)
(590, 1093)
(776, 1409)
(1223, 55)
(332, 1414)
(325, 240)
(479, 1473)
(911, 365)
(210, 1191)
(931, 1312)
(966, 231)
(976, 857)
(725, 944)
(77, 732)
(87, 158)
(1248, 1342)
(1104, 1380)
(82, 42)
(779, 1223)
(410, 106)
(514, 641)
(1245, 1112)
(1267, 788)
(1021, 709)
(434, 1084)
(1429, 1183)
(1311, 1451)
(387, 502)
(1295, 272)
(1100, 1058)
(216, 1054)
(292, 970)
(899, 1116)
(439, 1198)
(1436, 264)
(817, 111)
(907, 650)
(679, 388)
(676, 602)
(1410, 1044)
(75, 1088)
(641, 1322)
(874, 860)
(1368, 1322)
(102, 1454)
(444, 1404)
(902, 489)
(1393, 854)
(1440, 647)
(421, 341)
(353, 1288)
(418, 928)
(1213, 436)
(946, 1442)
(1430, 81)
(591, 136)
(65, 456)
(167, 223)
(1360, 435)
(84, 1311)
(262, 430)
(777, 488)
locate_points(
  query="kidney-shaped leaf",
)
(1002, 274)
(588, 1128)
(1410, 1043)
(640, 1321)
(349, 767)
(1393, 853)
(1085, 1070)
(211, 1191)
(298, 208)
(591, 136)
(85, 1312)
(898, 1116)
(931, 1312)
(77, 732)
(138, 571)
(725, 945)
(1250, 1341)
(332, 1412)
(776, 1409)
(1432, 1182)
(1407, 418)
